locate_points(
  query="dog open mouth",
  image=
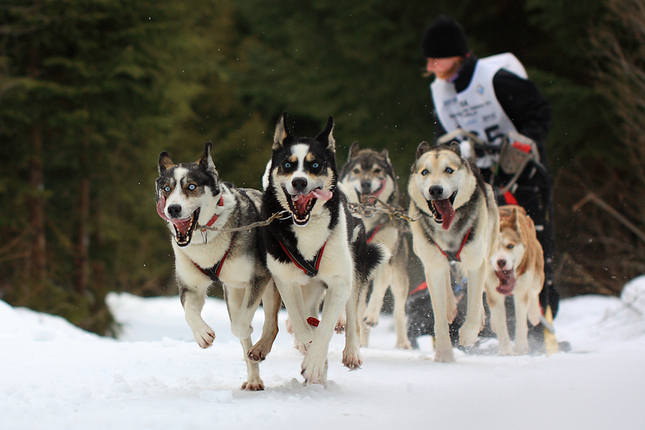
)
(443, 211)
(302, 204)
(506, 282)
(184, 227)
(371, 198)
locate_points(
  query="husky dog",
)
(192, 199)
(458, 221)
(318, 249)
(369, 175)
(518, 263)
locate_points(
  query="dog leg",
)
(352, 352)
(498, 318)
(253, 381)
(382, 279)
(314, 366)
(437, 279)
(365, 329)
(271, 304)
(192, 299)
(241, 324)
(521, 302)
(292, 297)
(400, 287)
(474, 314)
(235, 298)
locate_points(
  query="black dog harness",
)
(309, 268)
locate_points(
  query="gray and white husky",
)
(369, 175)
(198, 208)
(458, 222)
(319, 249)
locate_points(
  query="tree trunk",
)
(37, 261)
(82, 244)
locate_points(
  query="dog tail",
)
(375, 255)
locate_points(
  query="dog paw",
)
(352, 359)
(405, 344)
(521, 348)
(505, 349)
(302, 347)
(314, 366)
(289, 326)
(253, 385)
(259, 351)
(314, 373)
(444, 356)
(468, 334)
(371, 320)
(204, 336)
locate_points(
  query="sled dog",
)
(318, 248)
(194, 202)
(457, 222)
(367, 176)
(518, 263)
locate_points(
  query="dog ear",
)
(423, 148)
(385, 154)
(281, 132)
(205, 160)
(353, 150)
(326, 135)
(513, 219)
(165, 162)
(454, 147)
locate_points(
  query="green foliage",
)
(105, 85)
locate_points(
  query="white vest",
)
(476, 109)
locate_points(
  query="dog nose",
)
(174, 211)
(366, 186)
(299, 184)
(436, 191)
(501, 263)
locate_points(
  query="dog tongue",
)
(182, 225)
(506, 282)
(161, 204)
(323, 195)
(447, 212)
(302, 200)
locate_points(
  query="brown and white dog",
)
(457, 222)
(519, 266)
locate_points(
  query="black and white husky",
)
(319, 249)
(367, 176)
(458, 222)
(199, 209)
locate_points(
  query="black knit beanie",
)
(444, 38)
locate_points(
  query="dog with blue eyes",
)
(318, 249)
(204, 216)
(457, 222)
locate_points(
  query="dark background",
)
(92, 90)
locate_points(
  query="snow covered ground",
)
(55, 376)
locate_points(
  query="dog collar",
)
(309, 268)
(451, 256)
(212, 221)
(378, 227)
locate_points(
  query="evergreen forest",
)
(91, 91)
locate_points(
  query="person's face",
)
(443, 68)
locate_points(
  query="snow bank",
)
(56, 376)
